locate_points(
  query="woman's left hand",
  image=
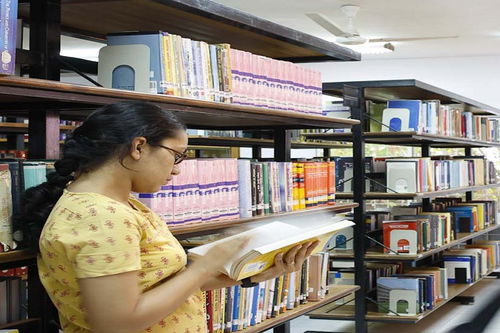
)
(289, 262)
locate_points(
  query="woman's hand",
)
(212, 263)
(290, 262)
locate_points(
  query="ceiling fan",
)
(350, 35)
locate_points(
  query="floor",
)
(440, 321)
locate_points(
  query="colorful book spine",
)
(8, 35)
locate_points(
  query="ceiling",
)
(475, 22)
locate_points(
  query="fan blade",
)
(325, 23)
(386, 40)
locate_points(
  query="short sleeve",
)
(106, 242)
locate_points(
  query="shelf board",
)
(378, 254)
(16, 324)
(384, 90)
(406, 138)
(199, 20)
(334, 293)
(346, 312)
(19, 95)
(418, 195)
(21, 128)
(251, 142)
(16, 255)
(207, 226)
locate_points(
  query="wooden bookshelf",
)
(406, 138)
(21, 128)
(76, 100)
(378, 252)
(20, 323)
(346, 312)
(199, 20)
(208, 226)
(15, 256)
(418, 195)
(334, 293)
(265, 143)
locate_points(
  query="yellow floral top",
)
(91, 235)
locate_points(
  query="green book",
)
(265, 181)
(375, 111)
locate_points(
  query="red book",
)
(401, 236)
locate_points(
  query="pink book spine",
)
(235, 190)
(188, 191)
(289, 90)
(236, 73)
(259, 73)
(312, 99)
(273, 84)
(196, 199)
(307, 91)
(203, 172)
(230, 184)
(281, 85)
(267, 83)
(214, 180)
(253, 80)
(299, 84)
(245, 77)
(220, 199)
(318, 92)
(176, 208)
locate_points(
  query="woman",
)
(108, 263)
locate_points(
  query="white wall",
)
(476, 77)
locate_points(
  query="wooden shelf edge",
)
(207, 226)
(249, 142)
(16, 255)
(417, 195)
(454, 290)
(94, 96)
(419, 256)
(19, 323)
(405, 138)
(335, 292)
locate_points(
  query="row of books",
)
(426, 174)
(219, 189)
(234, 308)
(413, 292)
(433, 118)
(13, 153)
(13, 295)
(413, 230)
(216, 72)
(420, 288)
(15, 177)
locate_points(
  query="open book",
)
(267, 241)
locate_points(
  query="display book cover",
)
(8, 34)
(459, 268)
(413, 106)
(464, 218)
(270, 239)
(392, 286)
(426, 293)
(406, 236)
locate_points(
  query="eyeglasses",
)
(178, 156)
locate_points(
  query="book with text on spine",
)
(267, 241)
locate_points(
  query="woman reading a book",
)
(108, 262)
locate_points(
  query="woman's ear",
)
(137, 147)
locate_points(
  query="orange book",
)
(331, 183)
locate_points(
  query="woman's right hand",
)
(212, 263)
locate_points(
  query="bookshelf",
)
(418, 195)
(346, 312)
(44, 100)
(378, 254)
(406, 138)
(334, 293)
(355, 95)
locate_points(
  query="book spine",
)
(8, 30)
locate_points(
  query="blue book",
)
(255, 304)
(413, 106)
(8, 34)
(151, 39)
(236, 308)
(464, 218)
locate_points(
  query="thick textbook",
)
(267, 241)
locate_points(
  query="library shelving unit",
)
(355, 94)
(44, 100)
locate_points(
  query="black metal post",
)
(327, 153)
(256, 152)
(282, 328)
(282, 144)
(354, 98)
(468, 194)
(45, 39)
(425, 152)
